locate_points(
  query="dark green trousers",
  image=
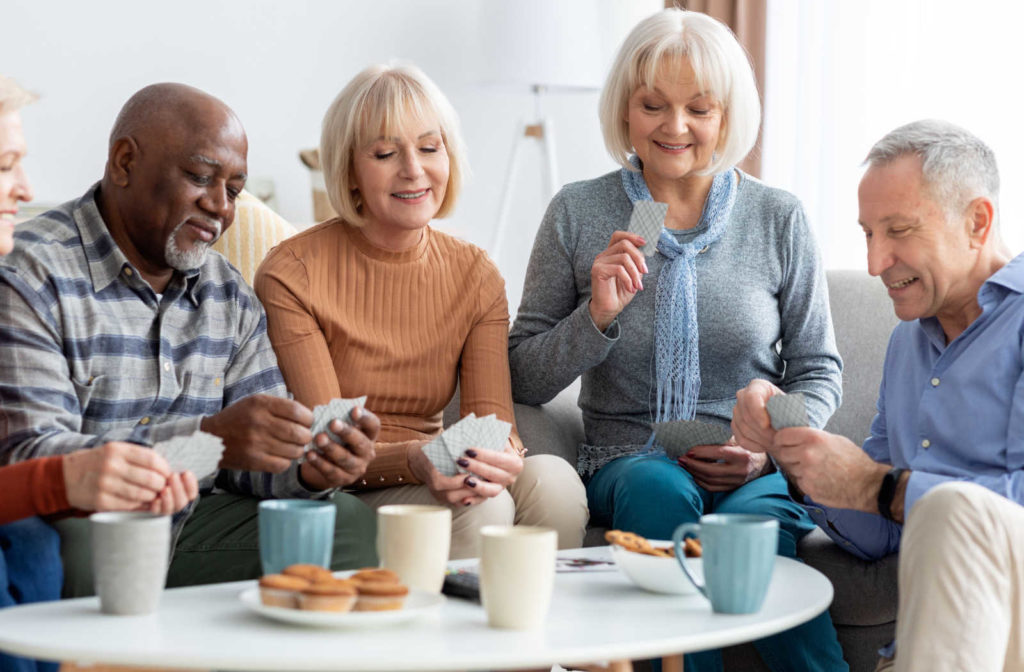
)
(220, 542)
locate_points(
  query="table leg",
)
(672, 663)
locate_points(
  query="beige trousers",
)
(961, 583)
(548, 492)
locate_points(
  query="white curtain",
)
(839, 75)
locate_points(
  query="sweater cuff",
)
(47, 479)
(389, 468)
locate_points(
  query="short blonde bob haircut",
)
(378, 101)
(12, 96)
(719, 63)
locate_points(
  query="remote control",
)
(462, 584)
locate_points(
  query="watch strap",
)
(887, 491)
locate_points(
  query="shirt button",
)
(128, 272)
(926, 443)
(167, 366)
(144, 421)
(216, 381)
(381, 479)
(935, 382)
(400, 479)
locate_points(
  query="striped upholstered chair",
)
(257, 228)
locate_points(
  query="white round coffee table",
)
(595, 616)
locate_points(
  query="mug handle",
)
(677, 541)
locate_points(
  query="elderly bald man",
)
(946, 451)
(121, 325)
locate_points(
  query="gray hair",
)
(12, 96)
(956, 166)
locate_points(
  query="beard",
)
(188, 260)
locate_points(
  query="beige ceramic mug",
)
(413, 540)
(517, 574)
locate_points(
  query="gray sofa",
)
(864, 608)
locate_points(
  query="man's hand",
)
(751, 424)
(261, 433)
(830, 469)
(342, 464)
(121, 476)
(615, 277)
(724, 468)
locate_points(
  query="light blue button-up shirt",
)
(947, 412)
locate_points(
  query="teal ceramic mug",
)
(295, 531)
(738, 558)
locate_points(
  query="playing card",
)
(459, 436)
(679, 436)
(438, 455)
(787, 410)
(647, 220)
(324, 414)
(487, 433)
(199, 453)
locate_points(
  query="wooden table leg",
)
(672, 663)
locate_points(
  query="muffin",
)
(280, 590)
(334, 595)
(380, 595)
(376, 574)
(311, 573)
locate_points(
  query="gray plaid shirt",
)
(89, 353)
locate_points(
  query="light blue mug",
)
(295, 531)
(738, 558)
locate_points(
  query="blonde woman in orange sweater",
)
(376, 302)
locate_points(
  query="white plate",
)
(657, 574)
(417, 604)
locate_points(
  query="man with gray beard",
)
(120, 325)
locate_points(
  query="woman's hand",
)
(724, 468)
(491, 473)
(615, 277)
(751, 424)
(120, 476)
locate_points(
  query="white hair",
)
(12, 96)
(956, 166)
(719, 63)
(382, 98)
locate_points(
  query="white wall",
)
(279, 65)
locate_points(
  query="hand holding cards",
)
(486, 433)
(335, 409)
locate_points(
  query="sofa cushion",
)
(865, 592)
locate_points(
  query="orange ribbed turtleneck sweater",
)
(347, 318)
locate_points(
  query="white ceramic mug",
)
(413, 540)
(517, 574)
(130, 551)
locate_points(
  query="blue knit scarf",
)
(676, 344)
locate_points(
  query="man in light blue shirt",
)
(951, 402)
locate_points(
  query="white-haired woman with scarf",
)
(735, 291)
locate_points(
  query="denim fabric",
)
(651, 496)
(30, 571)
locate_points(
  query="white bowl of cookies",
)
(651, 563)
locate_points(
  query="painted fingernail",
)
(467, 502)
(462, 462)
(471, 482)
(645, 268)
(641, 284)
(470, 452)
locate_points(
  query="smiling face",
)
(182, 184)
(924, 258)
(401, 179)
(14, 186)
(674, 126)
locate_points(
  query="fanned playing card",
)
(787, 410)
(647, 220)
(438, 454)
(324, 414)
(679, 436)
(486, 433)
(199, 453)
